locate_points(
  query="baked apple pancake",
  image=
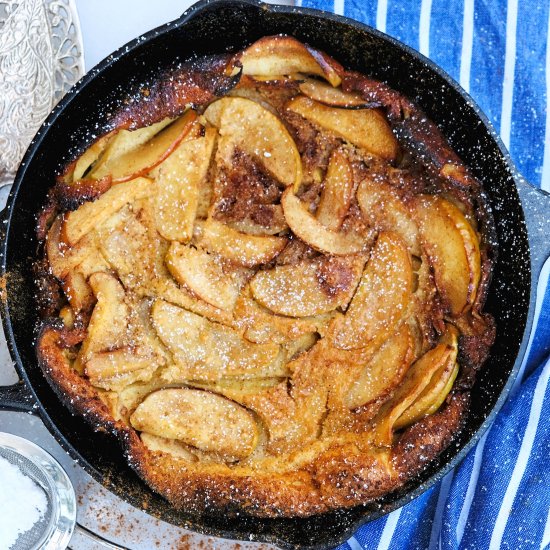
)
(267, 278)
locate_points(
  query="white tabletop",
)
(105, 26)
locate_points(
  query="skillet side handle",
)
(17, 398)
(536, 207)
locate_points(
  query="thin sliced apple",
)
(246, 125)
(139, 161)
(365, 128)
(171, 446)
(452, 247)
(308, 228)
(199, 418)
(107, 327)
(84, 256)
(78, 291)
(247, 250)
(382, 298)
(329, 95)
(90, 155)
(384, 210)
(124, 142)
(310, 287)
(204, 350)
(203, 275)
(62, 261)
(118, 362)
(385, 371)
(261, 326)
(90, 215)
(337, 192)
(273, 56)
(178, 186)
(433, 395)
(137, 252)
(416, 380)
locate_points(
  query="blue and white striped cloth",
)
(499, 51)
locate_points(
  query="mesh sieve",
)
(54, 530)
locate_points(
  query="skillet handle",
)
(536, 207)
(17, 398)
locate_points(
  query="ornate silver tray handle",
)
(40, 59)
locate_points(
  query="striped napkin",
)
(499, 51)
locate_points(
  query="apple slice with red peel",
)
(241, 248)
(308, 228)
(274, 56)
(178, 184)
(414, 383)
(382, 297)
(431, 398)
(130, 162)
(123, 142)
(365, 128)
(310, 287)
(203, 275)
(246, 125)
(452, 247)
(337, 193)
(331, 96)
(82, 164)
(384, 210)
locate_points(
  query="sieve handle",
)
(17, 398)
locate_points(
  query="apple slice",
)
(452, 247)
(382, 298)
(246, 125)
(203, 275)
(310, 287)
(62, 261)
(365, 128)
(416, 380)
(199, 418)
(329, 95)
(90, 156)
(308, 228)
(78, 292)
(178, 186)
(90, 215)
(207, 351)
(123, 142)
(247, 250)
(116, 363)
(384, 210)
(385, 371)
(261, 326)
(128, 161)
(433, 395)
(337, 192)
(274, 56)
(107, 327)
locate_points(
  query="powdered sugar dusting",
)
(22, 503)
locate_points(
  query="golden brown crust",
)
(322, 390)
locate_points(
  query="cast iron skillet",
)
(521, 213)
